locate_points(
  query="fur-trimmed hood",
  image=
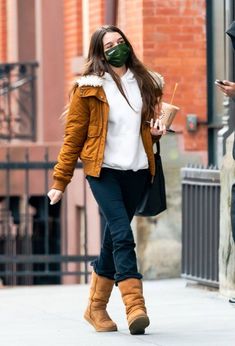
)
(90, 80)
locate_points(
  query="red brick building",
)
(168, 36)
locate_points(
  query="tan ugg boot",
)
(132, 295)
(96, 314)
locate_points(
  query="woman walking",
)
(111, 125)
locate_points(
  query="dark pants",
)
(117, 194)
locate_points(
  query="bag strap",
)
(158, 147)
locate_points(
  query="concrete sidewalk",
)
(180, 315)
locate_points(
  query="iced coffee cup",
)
(168, 113)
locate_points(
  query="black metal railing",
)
(200, 224)
(34, 245)
(18, 101)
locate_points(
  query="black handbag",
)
(153, 201)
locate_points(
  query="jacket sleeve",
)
(76, 127)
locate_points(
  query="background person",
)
(228, 88)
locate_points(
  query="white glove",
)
(55, 196)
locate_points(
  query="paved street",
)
(180, 314)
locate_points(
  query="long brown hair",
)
(97, 64)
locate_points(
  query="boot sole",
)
(113, 329)
(138, 325)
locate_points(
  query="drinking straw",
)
(173, 95)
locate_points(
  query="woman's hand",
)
(157, 128)
(55, 196)
(228, 89)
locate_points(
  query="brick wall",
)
(3, 31)
(130, 21)
(72, 38)
(174, 41)
(96, 14)
(73, 32)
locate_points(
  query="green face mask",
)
(118, 55)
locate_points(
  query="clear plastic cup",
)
(168, 113)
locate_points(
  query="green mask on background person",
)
(118, 55)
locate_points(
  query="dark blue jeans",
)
(117, 194)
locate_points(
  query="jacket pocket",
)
(91, 145)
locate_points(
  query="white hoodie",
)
(124, 148)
